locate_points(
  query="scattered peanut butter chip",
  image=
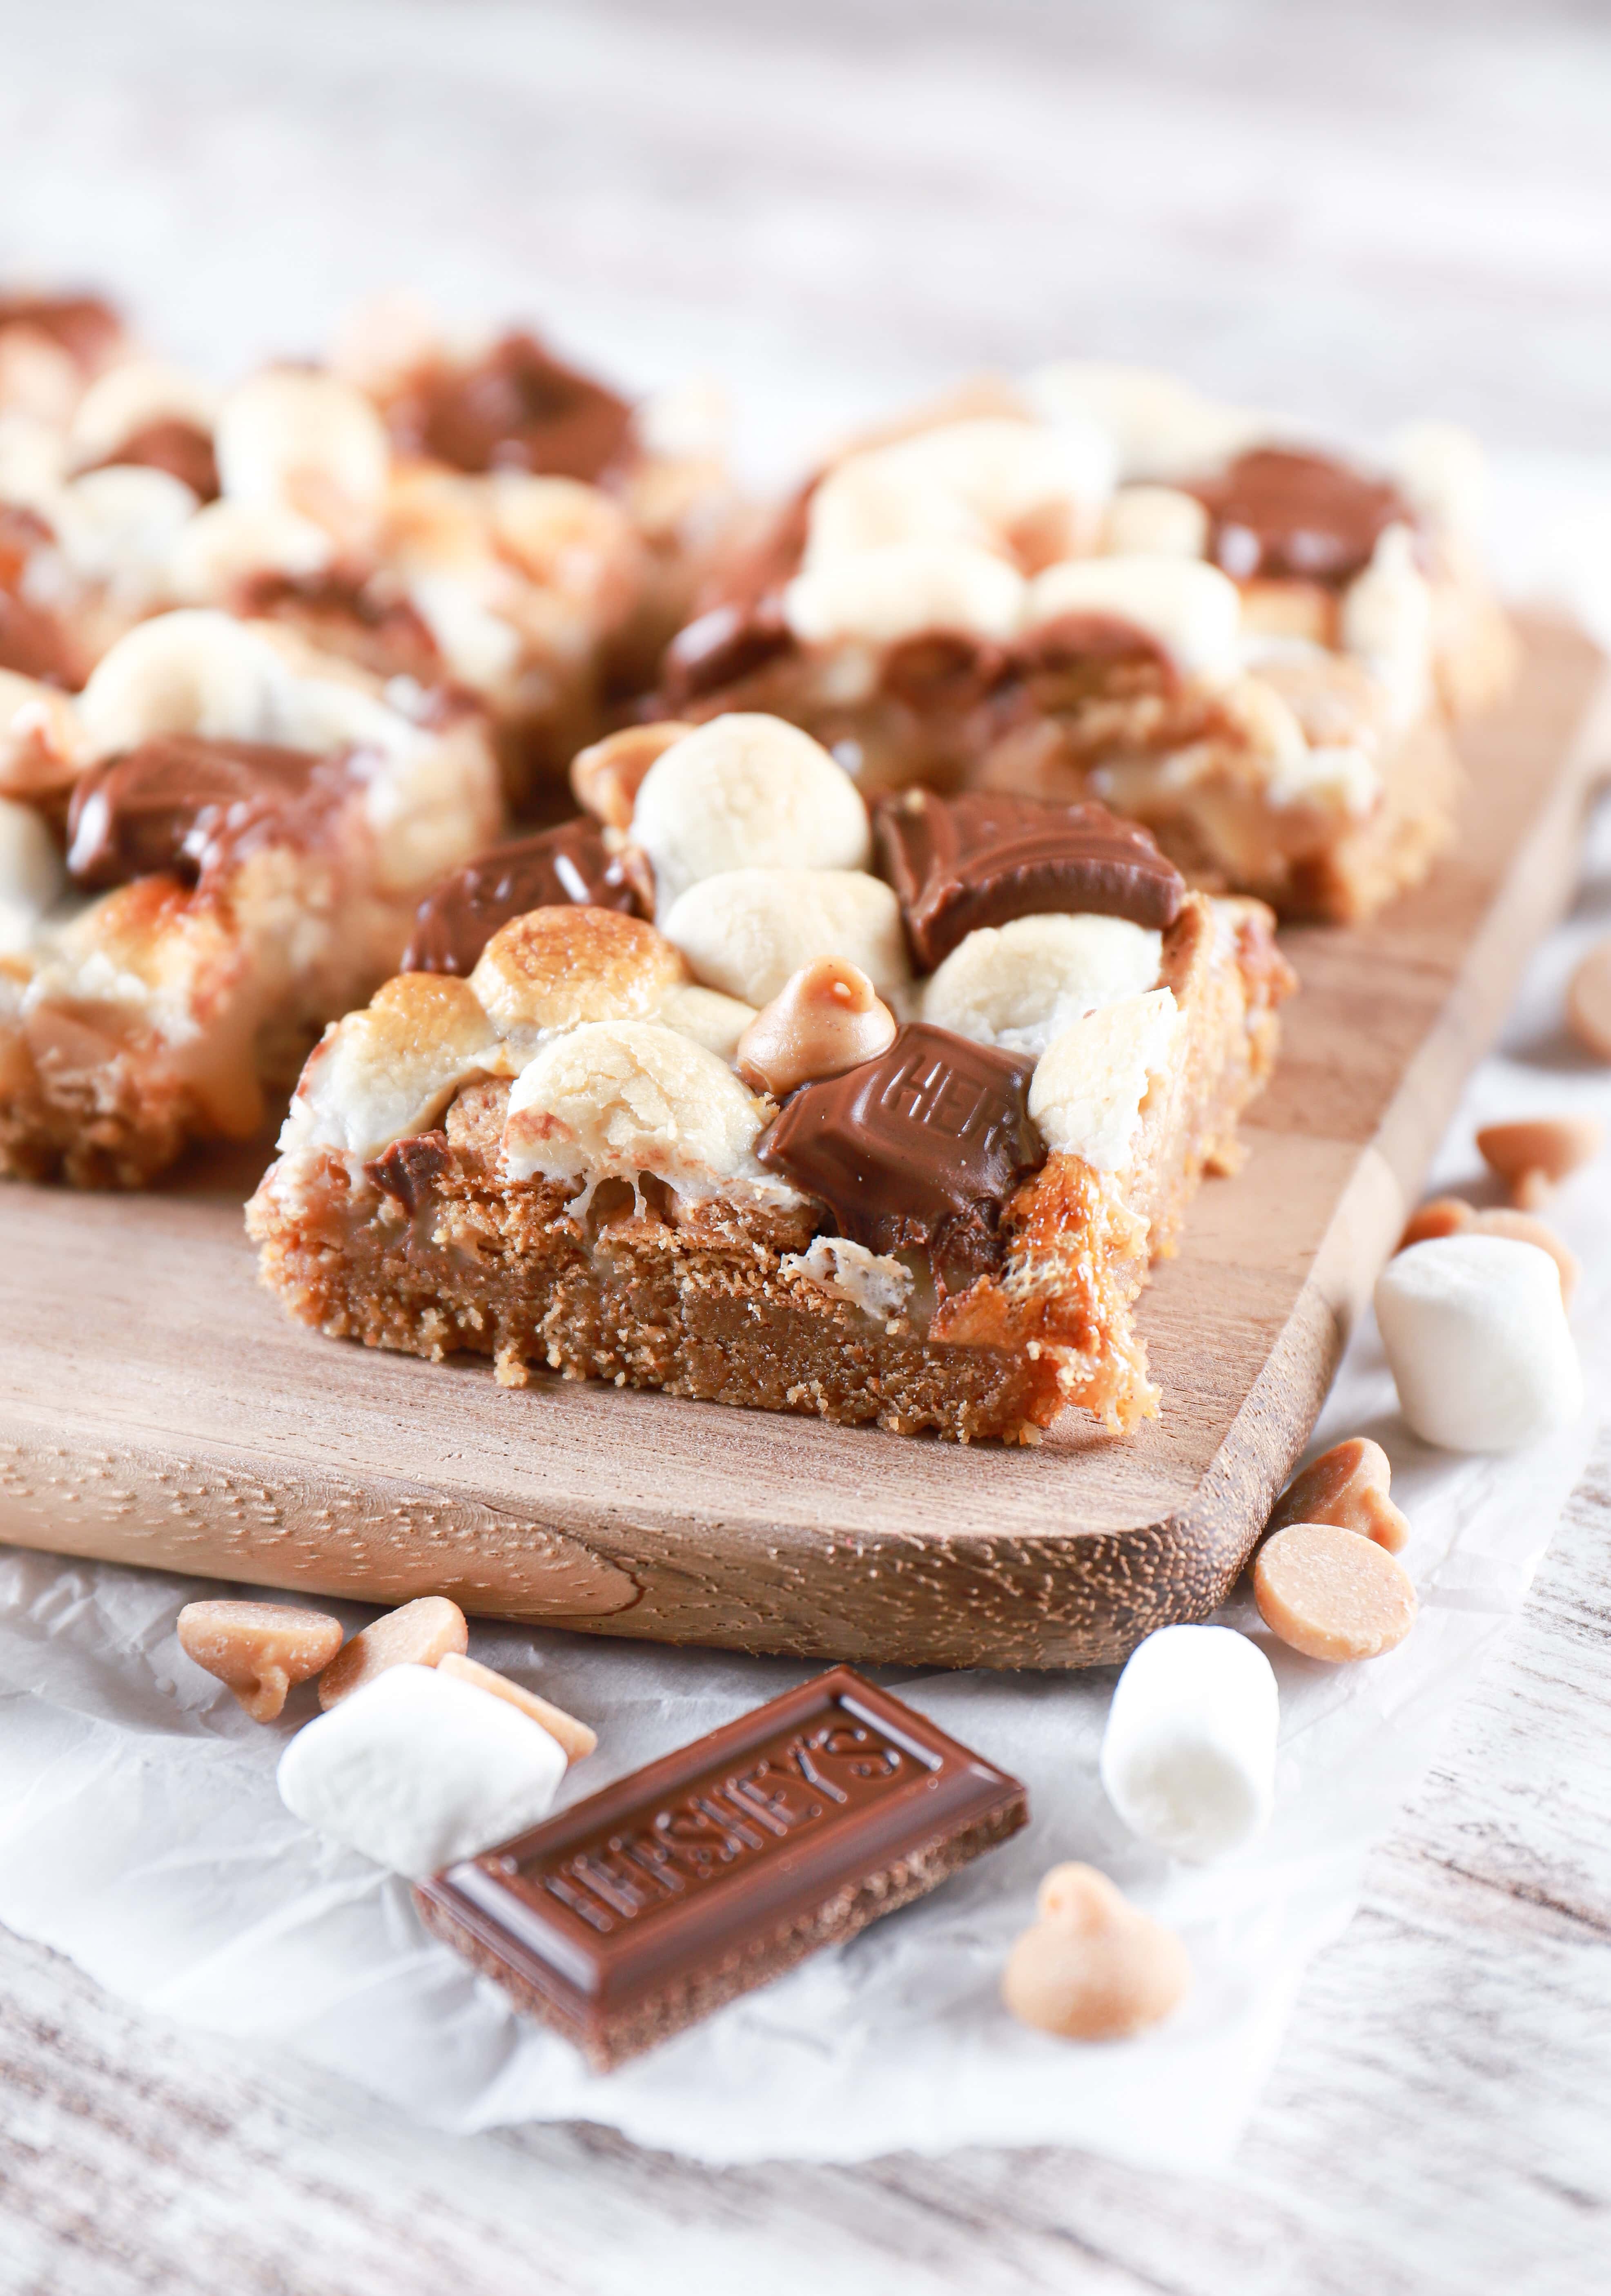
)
(1443, 1216)
(1588, 1002)
(577, 1739)
(418, 1635)
(1535, 1154)
(826, 1018)
(1347, 1486)
(259, 1649)
(1093, 1968)
(1329, 1593)
(605, 778)
(1526, 1229)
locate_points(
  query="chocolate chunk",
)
(82, 325)
(519, 408)
(641, 1910)
(570, 863)
(979, 859)
(407, 1168)
(942, 670)
(741, 626)
(185, 805)
(1073, 642)
(182, 449)
(33, 643)
(1278, 513)
(918, 1149)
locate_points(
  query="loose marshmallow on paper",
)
(1478, 1342)
(1189, 1753)
(417, 1769)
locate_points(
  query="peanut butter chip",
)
(1588, 1002)
(259, 1649)
(1347, 1486)
(418, 1635)
(1093, 1967)
(1452, 1216)
(827, 1018)
(1332, 1594)
(1535, 1156)
(577, 1739)
(1443, 1216)
(606, 777)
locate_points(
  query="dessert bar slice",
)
(891, 1147)
(218, 844)
(1099, 586)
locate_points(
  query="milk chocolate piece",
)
(740, 626)
(1277, 512)
(185, 805)
(918, 1149)
(651, 1904)
(82, 325)
(519, 408)
(182, 449)
(571, 863)
(957, 864)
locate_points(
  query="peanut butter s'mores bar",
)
(220, 842)
(1099, 587)
(881, 1119)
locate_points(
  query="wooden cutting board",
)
(156, 1407)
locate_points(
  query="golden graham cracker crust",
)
(690, 1295)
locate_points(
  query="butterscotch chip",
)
(577, 1739)
(1534, 1155)
(605, 776)
(1443, 1216)
(419, 1634)
(1347, 1486)
(259, 1649)
(1326, 1592)
(1093, 1968)
(1588, 1002)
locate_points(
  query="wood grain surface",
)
(185, 1423)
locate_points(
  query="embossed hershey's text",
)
(810, 1776)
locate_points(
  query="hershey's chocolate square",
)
(572, 863)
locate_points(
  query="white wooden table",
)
(1364, 212)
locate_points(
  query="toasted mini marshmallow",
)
(1021, 984)
(1088, 1086)
(1155, 522)
(712, 1019)
(118, 527)
(418, 1769)
(32, 878)
(745, 931)
(986, 482)
(1340, 779)
(308, 441)
(904, 588)
(43, 743)
(189, 672)
(615, 1098)
(1189, 1753)
(1386, 622)
(746, 791)
(555, 968)
(128, 397)
(1444, 471)
(1189, 609)
(1161, 428)
(388, 1072)
(226, 543)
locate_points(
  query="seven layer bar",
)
(1101, 586)
(891, 1147)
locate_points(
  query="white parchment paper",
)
(141, 1832)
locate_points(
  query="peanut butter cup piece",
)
(958, 864)
(554, 869)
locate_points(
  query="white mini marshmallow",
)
(746, 791)
(980, 482)
(32, 878)
(131, 396)
(227, 541)
(904, 588)
(119, 525)
(615, 1098)
(418, 1769)
(1478, 1342)
(747, 930)
(304, 438)
(1086, 1093)
(1161, 427)
(1021, 984)
(1191, 610)
(1386, 622)
(1444, 471)
(1159, 521)
(1189, 1753)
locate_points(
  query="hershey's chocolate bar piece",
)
(920, 1147)
(185, 804)
(1278, 513)
(519, 408)
(572, 863)
(957, 864)
(649, 1905)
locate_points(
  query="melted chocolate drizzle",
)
(961, 862)
(519, 408)
(188, 808)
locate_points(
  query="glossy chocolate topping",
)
(918, 1149)
(85, 327)
(957, 864)
(519, 408)
(182, 806)
(347, 613)
(641, 1908)
(740, 626)
(1278, 513)
(181, 449)
(571, 863)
